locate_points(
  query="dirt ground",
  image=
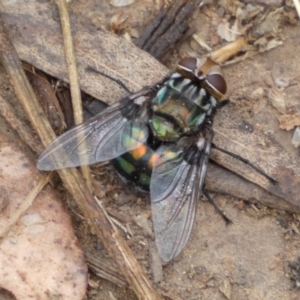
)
(248, 259)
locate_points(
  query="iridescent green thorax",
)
(180, 107)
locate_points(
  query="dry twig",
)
(24, 131)
(112, 240)
(73, 76)
(43, 180)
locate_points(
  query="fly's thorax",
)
(179, 107)
(194, 91)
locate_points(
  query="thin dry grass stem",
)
(101, 268)
(114, 221)
(23, 130)
(73, 77)
(42, 181)
(114, 243)
(221, 55)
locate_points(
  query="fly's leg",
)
(119, 82)
(217, 208)
(223, 103)
(245, 161)
(153, 88)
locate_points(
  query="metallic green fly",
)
(160, 138)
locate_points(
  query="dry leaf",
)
(277, 100)
(288, 122)
(225, 288)
(296, 137)
(121, 3)
(39, 255)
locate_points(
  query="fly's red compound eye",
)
(188, 64)
(217, 82)
(205, 72)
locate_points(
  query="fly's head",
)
(205, 72)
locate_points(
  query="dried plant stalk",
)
(73, 77)
(42, 181)
(24, 131)
(112, 240)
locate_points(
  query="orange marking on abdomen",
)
(153, 159)
(139, 152)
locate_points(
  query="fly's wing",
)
(103, 137)
(176, 186)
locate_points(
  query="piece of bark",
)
(165, 31)
(136, 68)
(102, 269)
(73, 181)
(46, 95)
(38, 39)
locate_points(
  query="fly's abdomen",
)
(136, 166)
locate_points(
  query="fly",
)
(160, 138)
